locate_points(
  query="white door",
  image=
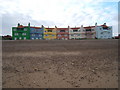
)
(15, 38)
(20, 38)
(24, 38)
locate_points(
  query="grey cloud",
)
(11, 20)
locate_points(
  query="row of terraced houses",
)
(91, 32)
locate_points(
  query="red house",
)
(90, 32)
(63, 33)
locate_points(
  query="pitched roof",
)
(21, 26)
(62, 28)
(89, 27)
(49, 28)
(75, 28)
(36, 27)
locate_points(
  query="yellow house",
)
(50, 33)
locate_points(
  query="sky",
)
(57, 12)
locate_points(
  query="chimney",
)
(18, 24)
(55, 26)
(42, 26)
(29, 24)
(68, 26)
(96, 24)
(104, 24)
(81, 26)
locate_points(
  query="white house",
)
(103, 31)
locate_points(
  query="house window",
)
(65, 35)
(14, 29)
(49, 30)
(25, 29)
(33, 34)
(62, 30)
(72, 34)
(16, 34)
(24, 34)
(78, 35)
(101, 32)
(40, 35)
(75, 30)
(59, 35)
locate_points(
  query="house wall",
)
(74, 35)
(49, 35)
(62, 35)
(36, 33)
(103, 33)
(90, 34)
(20, 33)
(82, 32)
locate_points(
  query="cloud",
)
(57, 12)
(11, 20)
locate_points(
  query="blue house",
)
(36, 32)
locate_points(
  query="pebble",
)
(82, 77)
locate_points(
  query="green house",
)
(21, 32)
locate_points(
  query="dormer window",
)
(75, 30)
(62, 30)
(88, 29)
(49, 30)
(105, 27)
